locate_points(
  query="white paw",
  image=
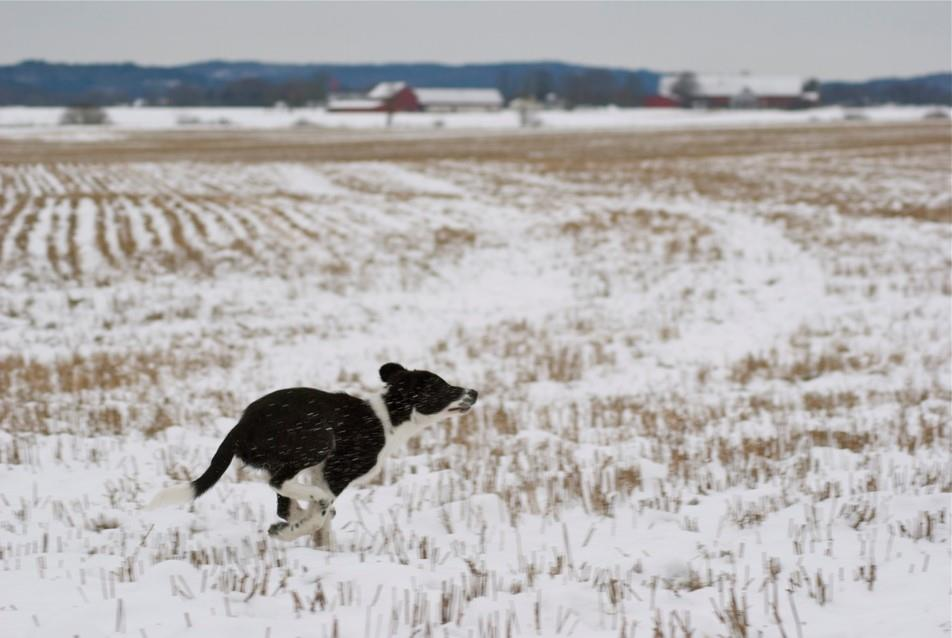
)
(297, 529)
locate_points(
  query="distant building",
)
(386, 97)
(439, 99)
(735, 90)
(393, 97)
(396, 96)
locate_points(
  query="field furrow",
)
(107, 235)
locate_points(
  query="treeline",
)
(593, 87)
(589, 87)
(927, 89)
(251, 91)
(221, 83)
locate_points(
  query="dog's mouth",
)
(465, 402)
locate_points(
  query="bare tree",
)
(84, 114)
(686, 88)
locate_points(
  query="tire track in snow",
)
(767, 285)
(776, 285)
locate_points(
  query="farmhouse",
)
(733, 90)
(399, 96)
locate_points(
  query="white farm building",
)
(438, 99)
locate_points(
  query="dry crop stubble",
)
(637, 459)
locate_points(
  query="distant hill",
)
(924, 89)
(40, 83)
(254, 83)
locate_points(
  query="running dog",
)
(335, 440)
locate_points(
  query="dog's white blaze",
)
(380, 411)
(396, 437)
(175, 495)
(383, 415)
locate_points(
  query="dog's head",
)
(421, 396)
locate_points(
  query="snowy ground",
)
(713, 371)
(43, 123)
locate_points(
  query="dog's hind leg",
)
(299, 521)
(286, 486)
(313, 518)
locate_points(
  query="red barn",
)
(386, 97)
(395, 96)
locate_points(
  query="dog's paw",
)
(285, 532)
(276, 529)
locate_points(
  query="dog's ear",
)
(389, 370)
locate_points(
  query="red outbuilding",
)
(386, 97)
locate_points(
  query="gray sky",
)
(831, 40)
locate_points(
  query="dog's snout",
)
(470, 396)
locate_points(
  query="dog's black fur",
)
(291, 430)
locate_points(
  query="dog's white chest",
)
(395, 437)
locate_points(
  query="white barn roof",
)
(729, 84)
(386, 90)
(459, 97)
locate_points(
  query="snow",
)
(386, 90)
(700, 377)
(43, 122)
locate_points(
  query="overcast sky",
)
(830, 40)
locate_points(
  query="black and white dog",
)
(335, 440)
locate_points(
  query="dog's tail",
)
(186, 492)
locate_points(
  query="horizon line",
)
(450, 65)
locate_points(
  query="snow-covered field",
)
(43, 123)
(714, 375)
